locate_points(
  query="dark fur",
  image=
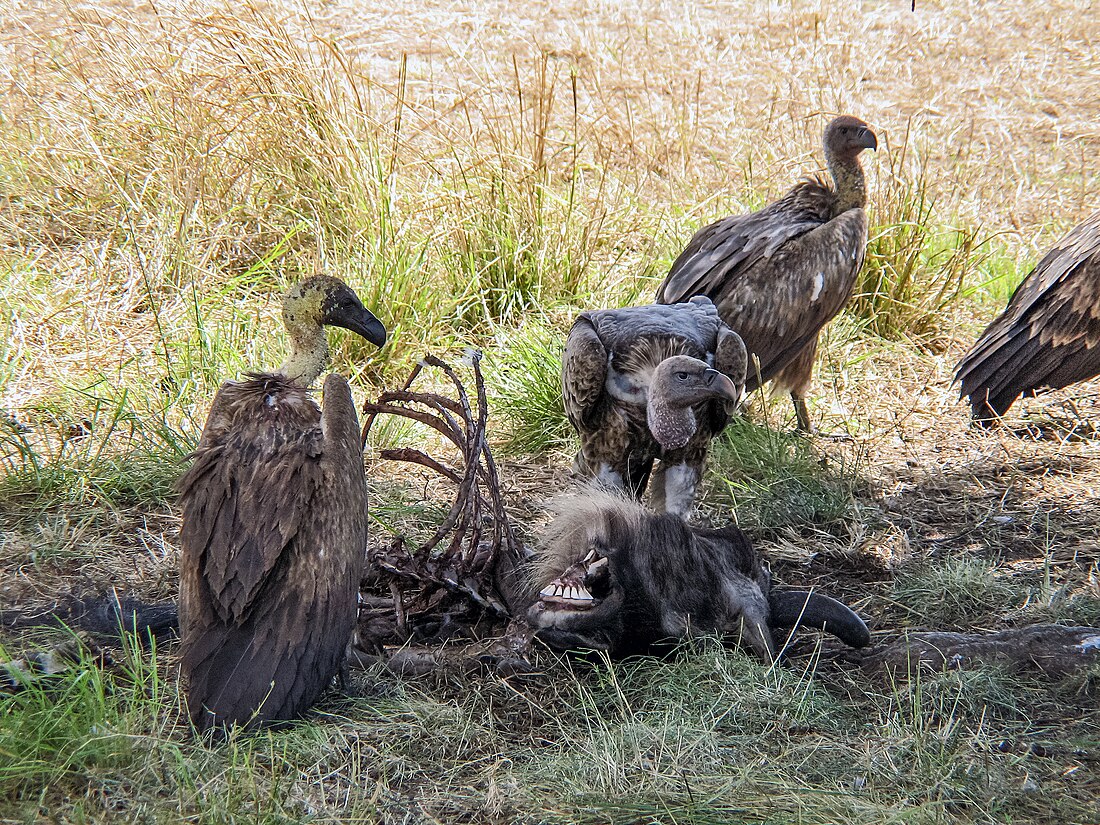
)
(105, 616)
(668, 581)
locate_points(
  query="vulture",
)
(1048, 336)
(619, 579)
(779, 275)
(274, 523)
(647, 383)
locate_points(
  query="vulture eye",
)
(683, 376)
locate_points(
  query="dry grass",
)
(480, 173)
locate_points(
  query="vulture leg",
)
(673, 486)
(795, 378)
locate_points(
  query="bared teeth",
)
(583, 595)
(590, 557)
(551, 590)
(599, 564)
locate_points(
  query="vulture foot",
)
(802, 413)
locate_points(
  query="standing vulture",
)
(651, 382)
(274, 528)
(1049, 334)
(780, 274)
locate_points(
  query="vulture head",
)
(679, 383)
(847, 136)
(311, 305)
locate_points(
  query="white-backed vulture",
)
(1048, 336)
(778, 276)
(273, 537)
(616, 578)
(646, 383)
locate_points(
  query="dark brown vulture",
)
(780, 274)
(274, 528)
(646, 383)
(619, 579)
(1048, 337)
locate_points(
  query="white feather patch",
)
(819, 283)
(680, 481)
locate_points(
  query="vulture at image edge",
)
(274, 527)
(779, 275)
(1048, 336)
(647, 383)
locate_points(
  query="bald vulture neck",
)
(847, 172)
(672, 426)
(308, 352)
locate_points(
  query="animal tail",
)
(806, 608)
(106, 616)
(94, 620)
(996, 371)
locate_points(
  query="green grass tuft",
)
(775, 480)
(916, 266)
(955, 592)
(525, 380)
(90, 449)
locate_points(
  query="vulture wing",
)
(730, 356)
(316, 620)
(584, 374)
(1048, 335)
(777, 276)
(726, 249)
(731, 359)
(252, 483)
(690, 328)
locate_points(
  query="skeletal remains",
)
(617, 578)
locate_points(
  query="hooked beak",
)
(867, 140)
(722, 386)
(362, 322)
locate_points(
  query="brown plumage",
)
(647, 383)
(1048, 336)
(274, 527)
(617, 578)
(779, 275)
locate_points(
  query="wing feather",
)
(722, 252)
(780, 305)
(778, 275)
(253, 480)
(1048, 334)
(584, 374)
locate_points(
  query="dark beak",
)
(867, 140)
(722, 386)
(361, 321)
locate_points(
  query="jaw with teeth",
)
(582, 585)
